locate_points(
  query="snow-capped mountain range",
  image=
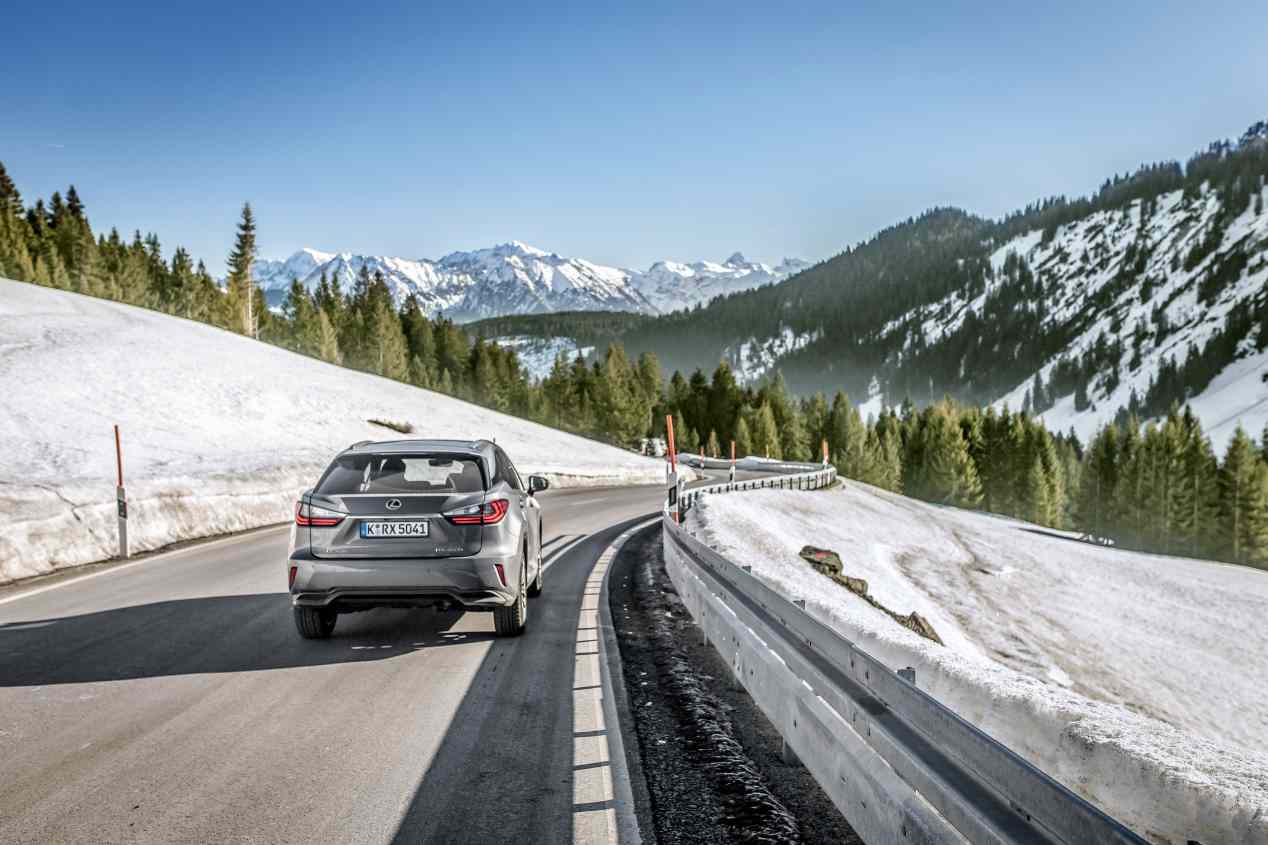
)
(515, 278)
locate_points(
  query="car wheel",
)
(535, 588)
(511, 621)
(315, 623)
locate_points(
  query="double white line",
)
(602, 799)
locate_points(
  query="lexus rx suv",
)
(415, 523)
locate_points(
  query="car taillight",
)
(317, 517)
(489, 513)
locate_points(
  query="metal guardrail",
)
(812, 479)
(900, 766)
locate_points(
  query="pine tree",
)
(765, 435)
(1237, 476)
(945, 472)
(1098, 483)
(327, 339)
(1039, 393)
(682, 438)
(241, 266)
(558, 390)
(818, 419)
(304, 330)
(421, 342)
(795, 442)
(712, 447)
(626, 413)
(1053, 501)
(1197, 491)
(847, 438)
(743, 438)
(891, 474)
(649, 377)
(723, 399)
(1035, 501)
(1257, 518)
(882, 463)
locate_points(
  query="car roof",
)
(483, 448)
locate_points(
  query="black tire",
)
(511, 621)
(315, 623)
(539, 583)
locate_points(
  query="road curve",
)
(172, 700)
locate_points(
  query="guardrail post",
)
(675, 506)
(787, 754)
(121, 496)
(908, 674)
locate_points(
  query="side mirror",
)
(537, 483)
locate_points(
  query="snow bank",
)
(220, 432)
(1136, 680)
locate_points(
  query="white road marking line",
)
(148, 559)
(593, 792)
(557, 553)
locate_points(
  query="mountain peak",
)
(737, 258)
(1257, 133)
(519, 248)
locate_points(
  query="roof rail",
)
(359, 444)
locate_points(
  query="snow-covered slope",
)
(515, 278)
(1239, 395)
(753, 359)
(1117, 287)
(220, 432)
(537, 354)
(1135, 679)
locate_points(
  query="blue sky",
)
(622, 134)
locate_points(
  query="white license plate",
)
(396, 528)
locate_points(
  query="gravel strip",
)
(711, 760)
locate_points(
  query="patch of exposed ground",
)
(711, 759)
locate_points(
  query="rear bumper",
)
(471, 582)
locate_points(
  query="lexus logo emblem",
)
(393, 504)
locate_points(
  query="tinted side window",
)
(506, 472)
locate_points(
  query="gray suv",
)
(414, 523)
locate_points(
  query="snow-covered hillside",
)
(537, 354)
(1238, 395)
(220, 432)
(515, 278)
(1080, 272)
(1135, 679)
(753, 359)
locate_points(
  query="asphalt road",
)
(172, 700)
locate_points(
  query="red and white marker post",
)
(825, 453)
(732, 461)
(673, 468)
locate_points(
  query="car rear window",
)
(402, 474)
